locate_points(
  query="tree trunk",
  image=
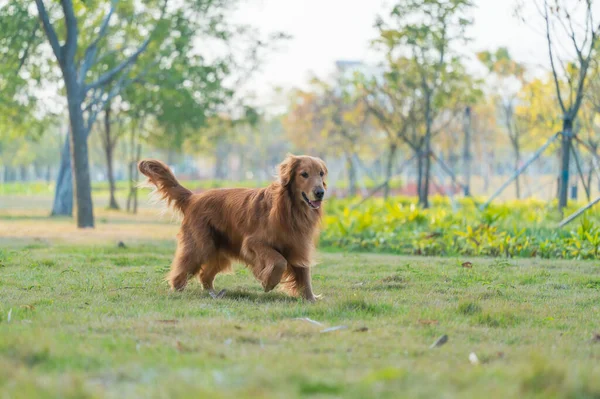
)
(109, 145)
(565, 162)
(220, 161)
(467, 152)
(388, 170)
(489, 171)
(419, 173)
(424, 200)
(351, 176)
(63, 195)
(79, 149)
(132, 199)
(424, 195)
(23, 172)
(517, 162)
(593, 150)
(136, 174)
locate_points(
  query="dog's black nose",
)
(319, 193)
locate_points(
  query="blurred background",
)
(414, 98)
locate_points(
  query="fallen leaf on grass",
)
(439, 342)
(237, 327)
(180, 347)
(311, 321)
(467, 265)
(596, 338)
(362, 329)
(336, 328)
(218, 295)
(28, 307)
(428, 322)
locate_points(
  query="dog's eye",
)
(322, 174)
(304, 174)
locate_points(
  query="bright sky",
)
(324, 31)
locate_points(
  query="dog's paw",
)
(312, 298)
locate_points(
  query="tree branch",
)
(90, 52)
(26, 52)
(554, 74)
(49, 30)
(110, 75)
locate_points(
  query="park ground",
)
(81, 316)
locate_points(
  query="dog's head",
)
(304, 178)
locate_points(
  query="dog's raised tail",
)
(167, 186)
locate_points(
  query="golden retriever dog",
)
(272, 230)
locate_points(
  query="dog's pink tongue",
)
(316, 204)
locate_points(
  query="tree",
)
(426, 33)
(303, 122)
(99, 54)
(509, 77)
(571, 37)
(393, 102)
(333, 113)
(85, 98)
(346, 124)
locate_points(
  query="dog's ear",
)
(287, 169)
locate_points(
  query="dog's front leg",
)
(303, 282)
(268, 265)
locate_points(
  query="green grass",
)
(95, 320)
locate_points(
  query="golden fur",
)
(271, 229)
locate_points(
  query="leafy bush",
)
(514, 229)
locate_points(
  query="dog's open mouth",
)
(312, 204)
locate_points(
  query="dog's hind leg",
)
(189, 257)
(208, 272)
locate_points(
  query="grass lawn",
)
(81, 317)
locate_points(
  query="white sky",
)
(324, 31)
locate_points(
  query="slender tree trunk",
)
(591, 167)
(424, 197)
(389, 169)
(419, 173)
(565, 162)
(424, 200)
(517, 165)
(351, 176)
(109, 145)
(220, 161)
(136, 174)
(24, 175)
(63, 195)
(467, 152)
